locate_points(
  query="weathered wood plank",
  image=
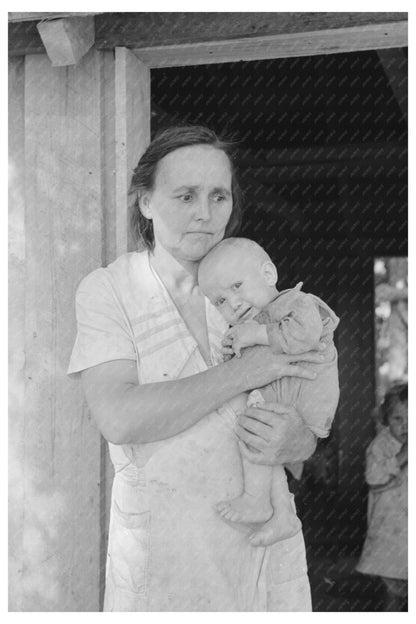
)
(354, 39)
(109, 255)
(16, 331)
(142, 30)
(132, 105)
(27, 16)
(139, 30)
(61, 540)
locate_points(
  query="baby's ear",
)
(269, 273)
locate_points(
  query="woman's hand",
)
(274, 434)
(258, 366)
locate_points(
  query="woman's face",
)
(191, 201)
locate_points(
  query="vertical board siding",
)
(59, 454)
(74, 132)
(132, 133)
(16, 329)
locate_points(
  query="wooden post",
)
(57, 456)
(132, 97)
(16, 330)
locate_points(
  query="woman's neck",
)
(179, 276)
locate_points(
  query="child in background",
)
(385, 548)
(240, 279)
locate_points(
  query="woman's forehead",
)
(195, 165)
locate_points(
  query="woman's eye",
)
(219, 198)
(220, 301)
(237, 285)
(186, 197)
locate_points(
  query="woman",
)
(149, 350)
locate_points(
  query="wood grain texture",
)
(62, 447)
(132, 106)
(17, 258)
(141, 30)
(67, 40)
(333, 41)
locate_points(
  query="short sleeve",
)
(300, 328)
(380, 467)
(102, 333)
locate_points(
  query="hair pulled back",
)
(143, 178)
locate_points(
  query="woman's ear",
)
(144, 205)
(269, 273)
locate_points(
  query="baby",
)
(239, 278)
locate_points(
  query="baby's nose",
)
(235, 303)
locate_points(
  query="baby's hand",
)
(247, 334)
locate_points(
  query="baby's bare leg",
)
(284, 523)
(254, 504)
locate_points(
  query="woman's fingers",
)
(293, 370)
(309, 356)
(250, 453)
(266, 413)
(227, 342)
(254, 426)
(227, 350)
(276, 408)
(250, 439)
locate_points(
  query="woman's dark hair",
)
(144, 174)
(396, 394)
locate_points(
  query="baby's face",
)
(236, 287)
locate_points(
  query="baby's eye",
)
(237, 285)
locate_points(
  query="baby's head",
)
(394, 411)
(239, 278)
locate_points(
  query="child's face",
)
(238, 287)
(398, 421)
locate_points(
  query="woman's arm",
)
(275, 434)
(127, 412)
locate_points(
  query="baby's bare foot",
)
(245, 508)
(278, 528)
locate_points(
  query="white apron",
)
(168, 548)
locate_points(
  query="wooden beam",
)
(394, 65)
(145, 30)
(29, 17)
(142, 30)
(132, 110)
(67, 40)
(358, 38)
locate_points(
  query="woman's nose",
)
(202, 210)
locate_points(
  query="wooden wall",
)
(64, 147)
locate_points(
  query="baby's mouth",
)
(244, 315)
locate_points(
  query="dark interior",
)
(322, 159)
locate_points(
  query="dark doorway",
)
(322, 153)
